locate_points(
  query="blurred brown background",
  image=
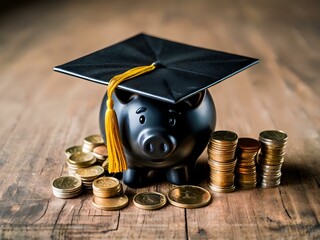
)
(43, 112)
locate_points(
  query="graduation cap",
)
(158, 68)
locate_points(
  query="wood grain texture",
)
(43, 112)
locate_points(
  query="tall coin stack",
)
(246, 174)
(221, 153)
(271, 157)
(108, 194)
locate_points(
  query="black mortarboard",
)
(182, 70)
(159, 69)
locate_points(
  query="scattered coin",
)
(188, 196)
(149, 200)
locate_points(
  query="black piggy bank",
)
(161, 136)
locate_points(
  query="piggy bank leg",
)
(179, 175)
(135, 177)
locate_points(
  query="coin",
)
(69, 151)
(90, 142)
(105, 183)
(248, 144)
(89, 173)
(274, 136)
(110, 204)
(220, 189)
(81, 159)
(100, 152)
(149, 200)
(189, 196)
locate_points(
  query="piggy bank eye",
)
(172, 121)
(142, 119)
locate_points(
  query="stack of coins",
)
(149, 200)
(222, 161)
(89, 174)
(90, 142)
(108, 194)
(79, 160)
(101, 154)
(66, 187)
(271, 157)
(246, 173)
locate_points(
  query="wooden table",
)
(43, 112)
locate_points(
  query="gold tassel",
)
(116, 156)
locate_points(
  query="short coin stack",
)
(108, 194)
(271, 157)
(79, 160)
(90, 142)
(66, 187)
(222, 161)
(246, 174)
(89, 174)
(149, 200)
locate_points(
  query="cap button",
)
(158, 64)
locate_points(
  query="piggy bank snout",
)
(156, 144)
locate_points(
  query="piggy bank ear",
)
(124, 96)
(194, 100)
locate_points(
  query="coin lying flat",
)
(189, 196)
(149, 200)
(110, 204)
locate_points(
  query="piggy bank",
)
(161, 136)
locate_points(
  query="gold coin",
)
(105, 183)
(80, 158)
(110, 204)
(89, 172)
(248, 144)
(71, 150)
(100, 152)
(93, 140)
(149, 200)
(222, 189)
(66, 184)
(276, 136)
(224, 136)
(188, 196)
